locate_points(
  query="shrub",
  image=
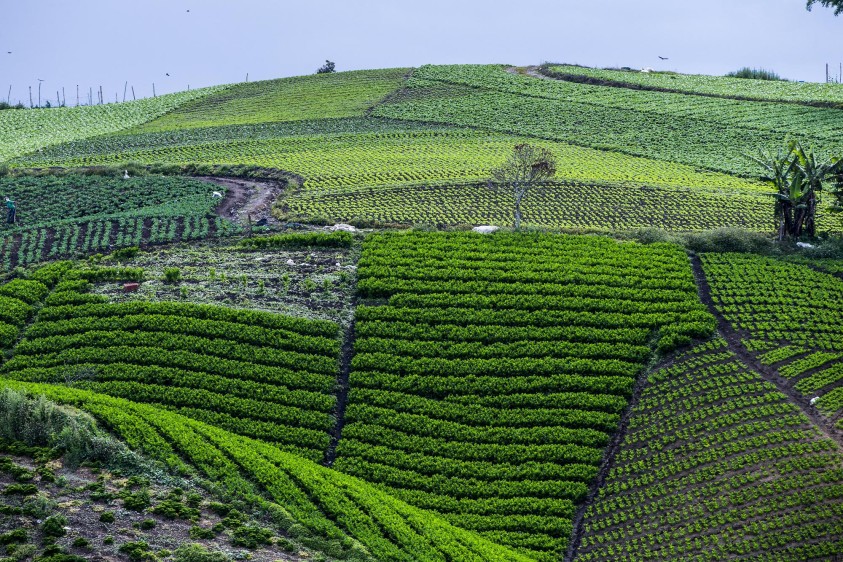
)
(326, 68)
(172, 274)
(16, 536)
(136, 551)
(54, 526)
(107, 517)
(729, 240)
(81, 542)
(197, 532)
(198, 553)
(147, 524)
(754, 74)
(20, 490)
(136, 501)
(250, 536)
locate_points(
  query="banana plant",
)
(798, 177)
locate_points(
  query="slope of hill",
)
(25, 131)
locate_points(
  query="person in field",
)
(11, 211)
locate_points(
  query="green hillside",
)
(640, 373)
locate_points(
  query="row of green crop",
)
(503, 435)
(254, 386)
(769, 299)
(312, 501)
(22, 132)
(33, 245)
(740, 88)
(717, 464)
(676, 137)
(782, 118)
(333, 164)
(593, 205)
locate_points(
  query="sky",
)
(108, 43)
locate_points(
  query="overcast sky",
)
(109, 42)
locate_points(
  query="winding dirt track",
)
(246, 198)
(768, 373)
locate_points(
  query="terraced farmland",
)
(717, 465)
(442, 396)
(489, 384)
(789, 315)
(78, 215)
(766, 90)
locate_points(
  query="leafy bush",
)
(107, 517)
(172, 274)
(250, 536)
(16, 536)
(20, 490)
(136, 501)
(326, 68)
(198, 553)
(147, 524)
(54, 526)
(754, 74)
(725, 240)
(137, 551)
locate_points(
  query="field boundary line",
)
(608, 461)
(771, 375)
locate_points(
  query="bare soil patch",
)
(247, 199)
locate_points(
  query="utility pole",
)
(126, 85)
(39, 95)
(58, 99)
(133, 93)
(77, 95)
(9, 97)
(153, 90)
(826, 73)
(63, 98)
(30, 97)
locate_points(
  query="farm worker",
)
(10, 206)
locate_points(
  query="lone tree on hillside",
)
(326, 68)
(798, 179)
(525, 168)
(836, 4)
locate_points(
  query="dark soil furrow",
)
(606, 465)
(342, 390)
(733, 338)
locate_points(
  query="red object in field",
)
(130, 287)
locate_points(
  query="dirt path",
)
(342, 390)
(532, 71)
(246, 198)
(768, 373)
(608, 462)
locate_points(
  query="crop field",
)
(687, 130)
(74, 215)
(22, 132)
(323, 96)
(489, 384)
(790, 316)
(572, 205)
(436, 394)
(717, 465)
(764, 90)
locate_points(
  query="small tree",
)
(326, 68)
(525, 168)
(798, 179)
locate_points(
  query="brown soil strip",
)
(146, 231)
(342, 390)
(607, 463)
(180, 226)
(247, 198)
(767, 373)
